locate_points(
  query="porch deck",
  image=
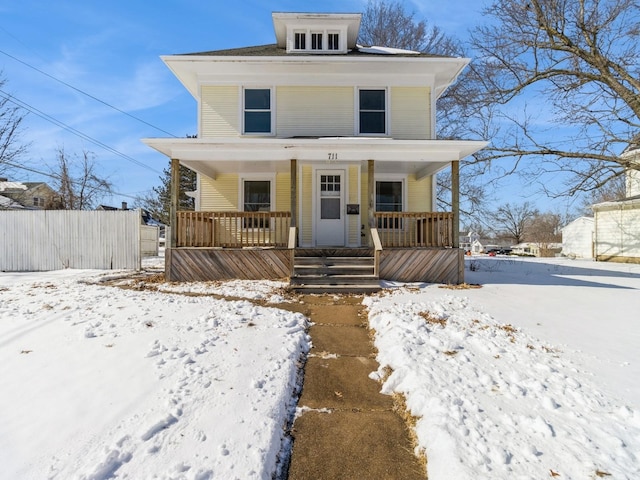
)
(414, 247)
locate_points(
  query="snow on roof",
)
(6, 202)
(4, 186)
(386, 50)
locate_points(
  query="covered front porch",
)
(341, 197)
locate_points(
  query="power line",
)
(58, 177)
(78, 133)
(87, 94)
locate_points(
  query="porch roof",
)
(213, 156)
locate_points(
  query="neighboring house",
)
(468, 240)
(577, 238)
(31, 195)
(537, 249)
(476, 247)
(617, 224)
(314, 146)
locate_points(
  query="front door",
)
(330, 215)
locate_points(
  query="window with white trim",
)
(300, 40)
(372, 110)
(333, 41)
(257, 110)
(389, 197)
(316, 41)
(256, 198)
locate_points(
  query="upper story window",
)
(257, 110)
(300, 41)
(372, 105)
(316, 41)
(333, 41)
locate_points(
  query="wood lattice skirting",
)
(207, 264)
(430, 265)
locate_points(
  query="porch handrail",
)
(233, 229)
(415, 229)
(377, 248)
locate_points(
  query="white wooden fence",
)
(40, 240)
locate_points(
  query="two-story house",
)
(30, 195)
(314, 147)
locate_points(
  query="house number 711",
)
(333, 156)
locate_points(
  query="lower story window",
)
(389, 199)
(257, 198)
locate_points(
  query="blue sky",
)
(111, 51)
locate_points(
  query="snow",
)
(385, 50)
(101, 382)
(534, 374)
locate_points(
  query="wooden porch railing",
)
(233, 229)
(415, 229)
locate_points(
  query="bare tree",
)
(390, 24)
(11, 117)
(77, 182)
(544, 228)
(560, 85)
(158, 201)
(512, 221)
(612, 191)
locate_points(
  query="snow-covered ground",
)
(100, 382)
(534, 375)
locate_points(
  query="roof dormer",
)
(316, 33)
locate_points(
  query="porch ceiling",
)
(237, 155)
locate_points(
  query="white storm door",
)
(330, 214)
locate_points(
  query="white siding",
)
(219, 111)
(410, 113)
(58, 239)
(577, 238)
(618, 232)
(314, 111)
(633, 182)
